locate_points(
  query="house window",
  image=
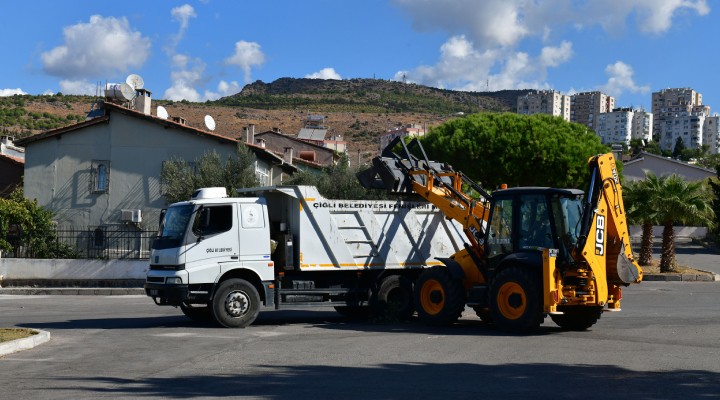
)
(262, 173)
(100, 176)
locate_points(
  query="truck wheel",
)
(516, 300)
(236, 303)
(577, 318)
(197, 312)
(439, 298)
(395, 298)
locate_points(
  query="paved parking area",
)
(663, 345)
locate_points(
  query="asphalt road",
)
(663, 345)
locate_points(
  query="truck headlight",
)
(174, 280)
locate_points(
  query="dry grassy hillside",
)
(359, 129)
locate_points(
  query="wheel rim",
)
(511, 300)
(432, 297)
(237, 303)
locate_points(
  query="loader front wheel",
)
(439, 298)
(577, 318)
(516, 300)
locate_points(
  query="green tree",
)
(679, 148)
(180, 178)
(677, 200)
(32, 227)
(520, 150)
(639, 205)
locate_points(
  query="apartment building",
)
(545, 102)
(585, 107)
(621, 125)
(680, 114)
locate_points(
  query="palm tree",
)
(638, 203)
(677, 200)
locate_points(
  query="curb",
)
(706, 277)
(28, 291)
(24, 343)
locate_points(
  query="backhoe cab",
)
(531, 251)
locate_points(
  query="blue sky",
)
(203, 50)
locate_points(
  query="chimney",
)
(249, 134)
(288, 155)
(245, 134)
(260, 142)
(143, 101)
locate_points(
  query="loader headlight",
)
(174, 280)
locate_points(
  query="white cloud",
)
(325, 73)
(11, 92)
(554, 56)
(79, 87)
(187, 73)
(621, 80)
(482, 54)
(464, 67)
(247, 55)
(181, 14)
(99, 48)
(223, 89)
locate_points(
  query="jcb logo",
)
(600, 235)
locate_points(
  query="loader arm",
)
(435, 182)
(604, 240)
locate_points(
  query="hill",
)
(356, 109)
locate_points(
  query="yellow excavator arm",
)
(604, 243)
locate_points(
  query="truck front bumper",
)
(164, 294)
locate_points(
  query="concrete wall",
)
(684, 232)
(96, 270)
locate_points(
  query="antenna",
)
(162, 112)
(135, 81)
(209, 123)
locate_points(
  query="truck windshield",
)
(567, 212)
(173, 226)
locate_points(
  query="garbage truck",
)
(226, 258)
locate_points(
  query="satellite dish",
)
(209, 123)
(162, 112)
(127, 91)
(135, 81)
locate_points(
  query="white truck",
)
(225, 258)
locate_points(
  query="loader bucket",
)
(386, 174)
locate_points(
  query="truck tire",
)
(395, 298)
(439, 298)
(516, 300)
(236, 303)
(197, 312)
(577, 318)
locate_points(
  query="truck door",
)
(213, 240)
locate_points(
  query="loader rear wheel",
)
(439, 298)
(577, 318)
(236, 303)
(395, 298)
(516, 300)
(197, 312)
